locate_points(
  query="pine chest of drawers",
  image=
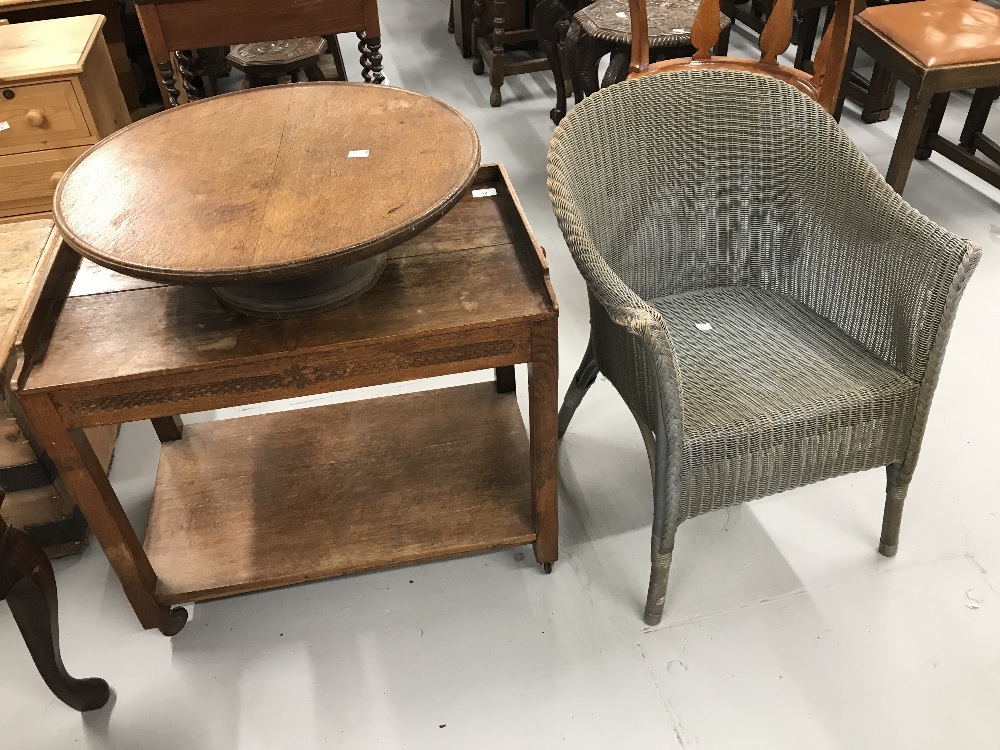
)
(59, 95)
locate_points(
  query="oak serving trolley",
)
(263, 501)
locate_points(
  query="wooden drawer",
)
(27, 181)
(42, 116)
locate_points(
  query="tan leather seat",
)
(940, 32)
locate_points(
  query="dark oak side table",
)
(257, 502)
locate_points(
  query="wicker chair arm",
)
(629, 310)
(879, 269)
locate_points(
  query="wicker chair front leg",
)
(585, 376)
(895, 495)
(664, 516)
(666, 492)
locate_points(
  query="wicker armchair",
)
(768, 307)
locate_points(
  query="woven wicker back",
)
(727, 178)
(824, 83)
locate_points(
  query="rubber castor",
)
(496, 98)
(178, 619)
(547, 567)
(478, 66)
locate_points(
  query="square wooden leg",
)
(939, 103)
(979, 112)
(85, 478)
(505, 380)
(910, 133)
(880, 97)
(543, 417)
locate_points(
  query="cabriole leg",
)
(29, 586)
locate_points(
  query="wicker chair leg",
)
(895, 494)
(657, 588)
(585, 376)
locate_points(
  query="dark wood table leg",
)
(617, 70)
(880, 97)
(84, 476)
(370, 48)
(728, 8)
(583, 54)
(911, 131)
(845, 84)
(505, 380)
(497, 71)
(478, 9)
(979, 112)
(550, 18)
(939, 103)
(543, 418)
(28, 585)
(808, 26)
(168, 428)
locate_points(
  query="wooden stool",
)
(264, 63)
(490, 46)
(934, 47)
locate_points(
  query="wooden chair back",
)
(823, 84)
(172, 26)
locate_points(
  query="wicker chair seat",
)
(775, 397)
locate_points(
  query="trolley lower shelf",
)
(257, 502)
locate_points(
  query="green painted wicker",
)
(730, 199)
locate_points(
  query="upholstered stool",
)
(264, 63)
(934, 47)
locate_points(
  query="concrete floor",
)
(783, 628)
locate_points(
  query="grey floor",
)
(783, 628)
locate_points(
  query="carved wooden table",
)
(604, 27)
(285, 202)
(264, 63)
(263, 501)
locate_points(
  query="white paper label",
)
(4, 126)
(484, 192)
(359, 154)
(703, 326)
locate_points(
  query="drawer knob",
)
(35, 118)
(54, 179)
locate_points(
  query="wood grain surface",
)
(262, 186)
(46, 48)
(431, 283)
(251, 503)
